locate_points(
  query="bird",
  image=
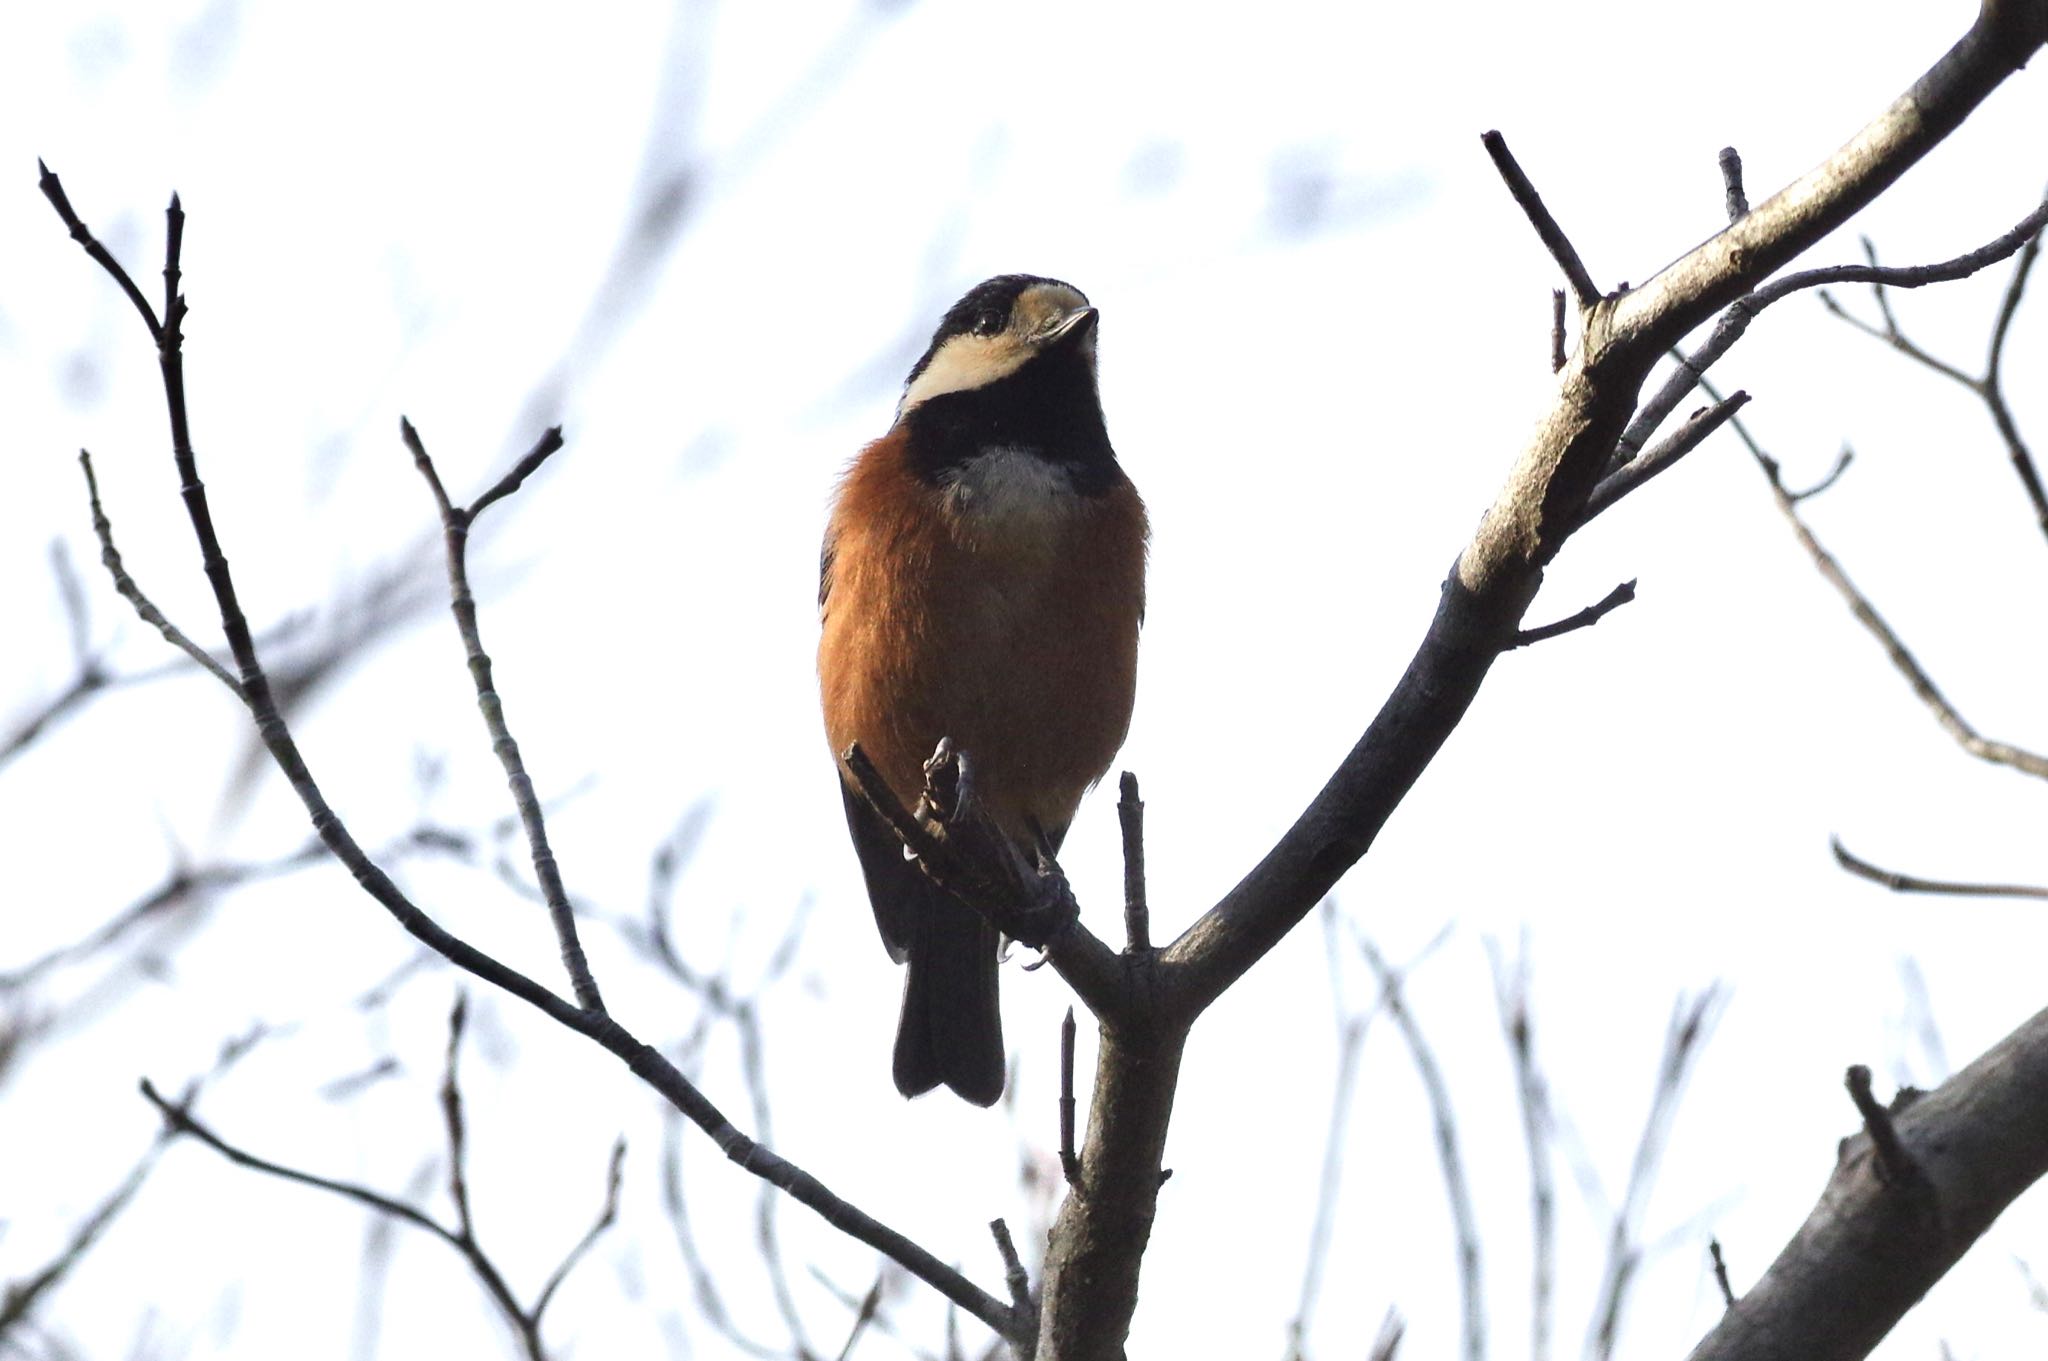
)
(982, 579)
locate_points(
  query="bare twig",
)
(1732, 195)
(1902, 659)
(1351, 1032)
(455, 525)
(1735, 320)
(19, 1298)
(1692, 1021)
(1895, 1165)
(1388, 1341)
(642, 1059)
(59, 200)
(1633, 474)
(179, 1119)
(704, 1285)
(1130, 815)
(1584, 290)
(181, 887)
(1557, 333)
(1464, 1219)
(1511, 997)
(1721, 1273)
(607, 1215)
(1988, 387)
(451, 1115)
(1070, 1161)
(1585, 618)
(863, 1316)
(1019, 1282)
(1829, 478)
(1910, 883)
(110, 557)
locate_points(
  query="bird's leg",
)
(1024, 894)
(948, 785)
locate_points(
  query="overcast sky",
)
(1324, 336)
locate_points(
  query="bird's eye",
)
(989, 320)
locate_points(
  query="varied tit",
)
(983, 578)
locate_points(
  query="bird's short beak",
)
(1074, 324)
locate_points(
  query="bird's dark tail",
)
(951, 1030)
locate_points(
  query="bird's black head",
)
(1011, 366)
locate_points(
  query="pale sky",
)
(1324, 336)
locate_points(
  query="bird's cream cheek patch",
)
(963, 364)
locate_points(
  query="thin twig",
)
(1732, 196)
(19, 1297)
(1016, 1278)
(675, 1204)
(1895, 1164)
(1736, 317)
(1464, 1219)
(77, 614)
(1584, 290)
(179, 887)
(1388, 1340)
(1511, 997)
(451, 1115)
(1684, 1039)
(455, 526)
(1070, 1161)
(1993, 388)
(1902, 659)
(1828, 479)
(1557, 332)
(1910, 883)
(645, 1062)
(1585, 618)
(607, 1215)
(1721, 1273)
(179, 1118)
(1629, 476)
(1989, 388)
(110, 557)
(862, 1317)
(1130, 816)
(1351, 1033)
(54, 192)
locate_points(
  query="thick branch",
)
(1496, 576)
(1870, 1250)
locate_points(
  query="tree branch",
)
(1583, 619)
(1909, 883)
(1734, 322)
(1449, 1156)
(1584, 291)
(1977, 1140)
(455, 525)
(641, 1059)
(1091, 1275)
(1902, 658)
